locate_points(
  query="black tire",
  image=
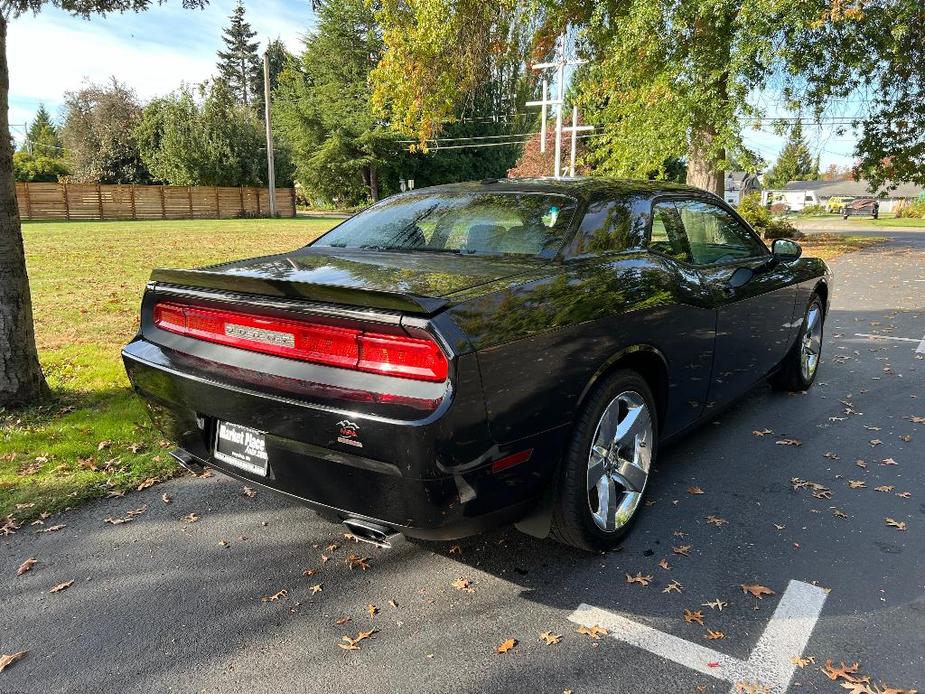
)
(572, 520)
(790, 376)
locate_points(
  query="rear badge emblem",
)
(349, 433)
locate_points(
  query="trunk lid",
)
(412, 282)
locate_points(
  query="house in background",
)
(800, 194)
(738, 185)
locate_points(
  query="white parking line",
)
(785, 636)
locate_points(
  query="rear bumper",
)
(429, 477)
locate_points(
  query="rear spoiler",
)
(304, 291)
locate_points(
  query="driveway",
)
(789, 482)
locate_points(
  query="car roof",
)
(585, 188)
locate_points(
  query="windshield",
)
(466, 223)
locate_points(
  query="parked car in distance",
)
(837, 203)
(861, 207)
(469, 355)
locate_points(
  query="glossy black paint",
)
(527, 340)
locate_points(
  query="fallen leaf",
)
(62, 586)
(455, 549)
(904, 495)
(714, 635)
(372, 609)
(691, 617)
(26, 566)
(717, 521)
(875, 442)
(150, 482)
(757, 590)
(838, 513)
(789, 442)
(683, 550)
(861, 464)
(905, 437)
(276, 597)
(673, 587)
(550, 638)
(751, 688)
(802, 662)
(830, 455)
(845, 672)
(7, 660)
(506, 646)
(118, 520)
(463, 584)
(355, 560)
(350, 644)
(899, 525)
(884, 488)
(249, 492)
(166, 498)
(52, 529)
(859, 688)
(888, 461)
(857, 484)
(665, 565)
(717, 604)
(594, 632)
(763, 432)
(639, 578)
(696, 491)
(342, 621)
(190, 518)
(917, 420)
(103, 445)
(309, 572)
(316, 588)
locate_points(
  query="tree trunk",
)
(703, 170)
(373, 182)
(21, 379)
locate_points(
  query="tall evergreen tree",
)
(42, 137)
(795, 162)
(239, 65)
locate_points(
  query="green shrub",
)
(781, 229)
(761, 219)
(814, 210)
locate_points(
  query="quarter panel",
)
(541, 343)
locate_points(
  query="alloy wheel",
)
(619, 460)
(811, 347)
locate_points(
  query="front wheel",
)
(604, 474)
(798, 370)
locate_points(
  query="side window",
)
(715, 236)
(667, 235)
(607, 227)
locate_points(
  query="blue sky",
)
(155, 51)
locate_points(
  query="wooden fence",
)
(81, 201)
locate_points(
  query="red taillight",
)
(394, 355)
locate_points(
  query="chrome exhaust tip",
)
(372, 533)
(187, 461)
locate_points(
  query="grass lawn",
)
(94, 438)
(828, 246)
(907, 222)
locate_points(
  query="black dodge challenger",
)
(469, 355)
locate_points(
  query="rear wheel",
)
(605, 471)
(798, 370)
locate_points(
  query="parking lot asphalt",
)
(160, 604)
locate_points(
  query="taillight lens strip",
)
(349, 348)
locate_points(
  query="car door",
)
(754, 296)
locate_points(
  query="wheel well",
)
(652, 368)
(822, 289)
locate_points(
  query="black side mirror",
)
(786, 250)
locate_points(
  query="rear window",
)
(464, 223)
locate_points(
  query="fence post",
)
(257, 190)
(218, 205)
(67, 204)
(134, 214)
(243, 210)
(28, 198)
(163, 204)
(99, 200)
(189, 193)
(292, 199)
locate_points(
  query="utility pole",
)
(560, 64)
(271, 167)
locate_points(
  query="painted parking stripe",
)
(785, 636)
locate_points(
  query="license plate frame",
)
(242, 447)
